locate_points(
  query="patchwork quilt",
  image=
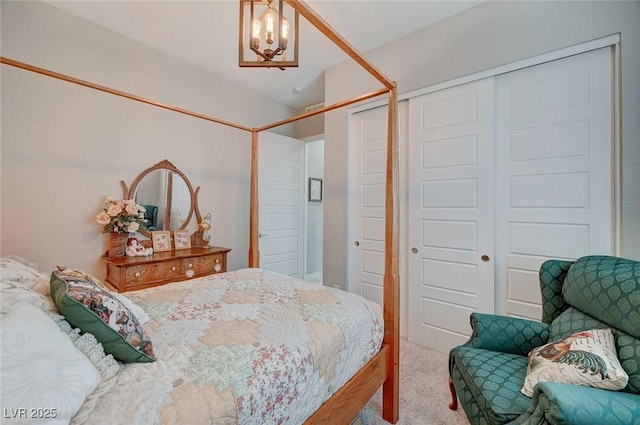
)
(242, 347)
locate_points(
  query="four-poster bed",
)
(383, 368)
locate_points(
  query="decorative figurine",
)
(135, 248)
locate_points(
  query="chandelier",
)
(267, 38)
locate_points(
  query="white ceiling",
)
(205, 34)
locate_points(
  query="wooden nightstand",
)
(131, 273)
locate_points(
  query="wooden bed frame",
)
(383, 369)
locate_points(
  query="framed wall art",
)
(181, 239)
(315, 190)
(161, 240)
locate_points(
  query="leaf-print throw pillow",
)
(93, 309)
(583, 358)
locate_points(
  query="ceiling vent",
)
(314, 108)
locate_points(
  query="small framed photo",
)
(161, 240)
(315, 190)
(181, 239)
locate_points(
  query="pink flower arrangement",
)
(121, 216)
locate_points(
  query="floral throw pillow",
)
(583, 358)
(93, 309)
(137, 311)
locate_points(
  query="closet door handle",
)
(414, 250)
(357, 243)
(485, 258)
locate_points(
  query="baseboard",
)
(314, 277)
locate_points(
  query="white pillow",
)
(583, 358)
(17, 270)
(14, 294)
(45, 378)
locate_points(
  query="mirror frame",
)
(129, 193)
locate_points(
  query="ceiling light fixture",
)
(266, 37)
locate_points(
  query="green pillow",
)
(93, 309)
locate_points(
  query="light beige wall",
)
(486, 36)
(64, 147)
(309, 127)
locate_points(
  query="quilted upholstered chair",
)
(151, 215)
(488, 371)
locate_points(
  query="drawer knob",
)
(217, 267)
(173, 269)
(137, 274)
(190, 265)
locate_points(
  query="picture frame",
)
(315, 189)
(181, 239)
(161, 240)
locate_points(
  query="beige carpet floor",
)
(424, 391)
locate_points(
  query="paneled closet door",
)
(451, 212)
(368, 156)
(554, 181)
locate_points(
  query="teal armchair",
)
(488, 371)
(151, 215)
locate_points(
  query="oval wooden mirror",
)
(167, 195)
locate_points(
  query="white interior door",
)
(451, 212)
(367, 205)
(281, 199)
(554, 185)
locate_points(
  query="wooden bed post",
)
(254, 251)
(391, 387)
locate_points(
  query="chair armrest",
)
(506, 334)
(555, 403)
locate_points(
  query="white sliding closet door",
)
(503, 174)
(281, 198)
(368, 195)
(554, 184)
(451, 212)
(367, 200)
